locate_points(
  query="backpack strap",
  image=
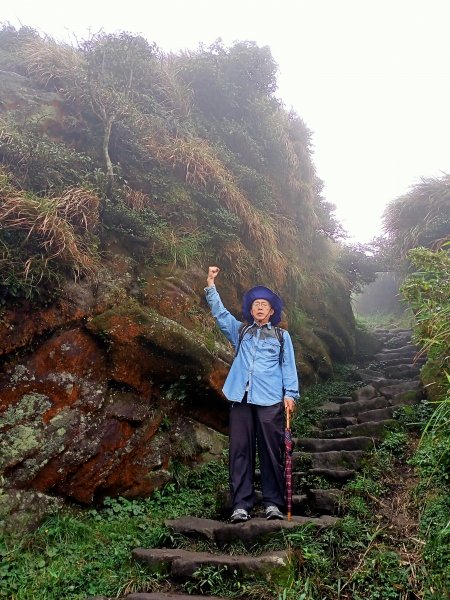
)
(242, 331)
(280, 335)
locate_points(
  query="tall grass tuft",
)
(135, 199)
(202, 168)
(56, 65)
(53, 228)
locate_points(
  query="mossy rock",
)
(134, 324)
(22, 511)
(434, 380)
(366, 343)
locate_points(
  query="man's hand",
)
(212, 274)
(289, 406)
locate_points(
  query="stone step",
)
(407, 398)
(365, 393)
(352, 409)
(167, 596)
(398, 341)
(380, 414)
(339, 399)
(340, 476)
(326, 444)
(378, 383)
(331, 408)
(407, 355)
(299, 502)
(325, 502)
(392, 362)
(375, 430)
(334, 459)
(404, 348)
(182, 564)
(335, 422)
(368, 375)
(248, 532)
(400, 371)
(403, 371)
(390, 391)
(365, 378)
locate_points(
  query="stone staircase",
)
(351, 426)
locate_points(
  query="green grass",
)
(385, 321)
(83, 553)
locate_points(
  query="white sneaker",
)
(273, 512)
(239, 515)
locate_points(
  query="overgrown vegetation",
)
(192, 155)
(41, 235)
(428, 291)
(419, 218)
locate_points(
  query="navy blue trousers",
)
(251, 427)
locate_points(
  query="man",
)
(262, 382)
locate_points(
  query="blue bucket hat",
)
(262, 293)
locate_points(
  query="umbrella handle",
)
(288, 419)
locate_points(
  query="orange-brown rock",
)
(94, 408)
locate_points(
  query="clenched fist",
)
(212, 274)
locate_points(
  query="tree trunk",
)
(108, 164)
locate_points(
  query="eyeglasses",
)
(262, 304)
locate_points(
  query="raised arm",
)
(228, 324)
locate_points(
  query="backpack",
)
(278, 332)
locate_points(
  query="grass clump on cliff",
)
(40, 234)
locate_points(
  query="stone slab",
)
(333, 459)
(182, 564)
(248, 532)
(354, 408)
(327, 444)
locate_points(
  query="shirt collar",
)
(268, 325)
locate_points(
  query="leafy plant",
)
(214, 580)
(38, 163)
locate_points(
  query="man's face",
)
(262, 311)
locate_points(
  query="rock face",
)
(98, 394)
(100, 404)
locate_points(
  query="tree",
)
(105, 74)
(117, 66)
(358, 266)
(226, 81)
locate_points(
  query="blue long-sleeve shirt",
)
(256, 368)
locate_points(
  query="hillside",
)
(124, 173)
